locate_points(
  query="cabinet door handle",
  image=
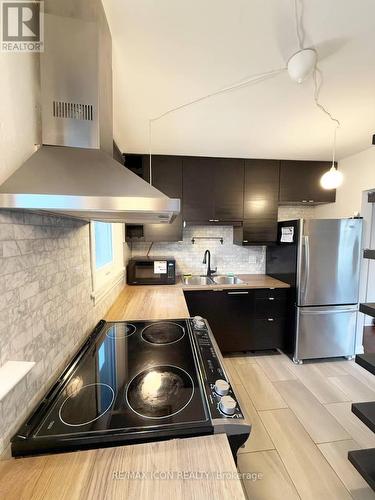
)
(270, 319)
(238, 293)
(213, 220)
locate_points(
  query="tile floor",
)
(302, 427)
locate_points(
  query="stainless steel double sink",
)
(213, 280)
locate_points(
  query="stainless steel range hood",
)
(73, 173)
(85, 183)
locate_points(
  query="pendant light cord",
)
(318, 81)
(256, 78)
(299, 26)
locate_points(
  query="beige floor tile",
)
(259, 438)
(320, 385)
(355, 370)
(244, 359)
(261, 391)
(337, 456)
(276, 367)
(269, 478)
(311, 474)
(316, 419)
(231, 371)
(357, 430)
(354, 388)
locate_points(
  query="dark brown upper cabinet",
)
(166, 175)
(213, 190)
(261, 193)
(300, 183)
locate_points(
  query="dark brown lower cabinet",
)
(242, 319)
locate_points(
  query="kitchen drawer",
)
(271, 307)
(275, 293)
(268, 333)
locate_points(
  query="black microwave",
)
(151, 271)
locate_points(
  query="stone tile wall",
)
(227, 257)
(45, 304)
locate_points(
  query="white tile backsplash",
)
(227, 257)
(290, 212)
(45, 304)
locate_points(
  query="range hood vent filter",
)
(72, 110)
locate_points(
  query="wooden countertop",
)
(168, 301)
(168, 470)
(249, 281)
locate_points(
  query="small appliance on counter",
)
(320, 259)
(134, 382)
(151, 271)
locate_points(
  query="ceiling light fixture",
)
(302, 64)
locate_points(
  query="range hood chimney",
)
(74, 172)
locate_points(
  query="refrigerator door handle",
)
(305, 241)
(337, 309)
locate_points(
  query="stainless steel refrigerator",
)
(320, 259)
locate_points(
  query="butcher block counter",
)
(168, 301)
(194, 468)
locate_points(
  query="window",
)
(103, 244)
(107, 260)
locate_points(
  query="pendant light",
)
(333, 178)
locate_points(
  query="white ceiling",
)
(167, 52)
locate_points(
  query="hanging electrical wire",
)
(256, 78)
(298, 23)
(317, 88)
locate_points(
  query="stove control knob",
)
(199, 322)
(221, 387)
(227, 405)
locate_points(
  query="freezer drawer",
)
(324, 332)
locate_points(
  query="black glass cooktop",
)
(135, 375)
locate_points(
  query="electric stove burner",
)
(121, 330)
(86, 404)
(163, 333)
(160, 391)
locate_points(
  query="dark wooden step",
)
(364, 462)
(368, 308)
(367, 361)
(369, 254)
(366, 413)
(371, 197)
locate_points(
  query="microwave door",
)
(144, 271)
